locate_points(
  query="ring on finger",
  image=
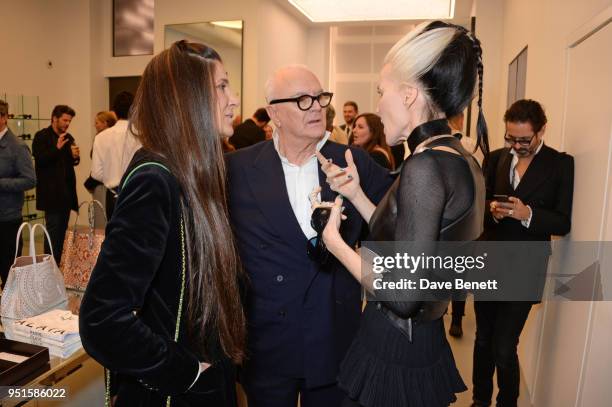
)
(511, 212)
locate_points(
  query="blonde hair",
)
(445, 60)
(418, 51)
(107, 117)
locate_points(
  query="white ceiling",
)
(463, 10)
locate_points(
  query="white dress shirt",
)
(515, 178)
(113, 150)
(300, 181)
(3, 132)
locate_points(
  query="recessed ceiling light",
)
(323, 11)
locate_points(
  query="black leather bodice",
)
(466, 226)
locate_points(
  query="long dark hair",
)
(174, 115)
(377, 133)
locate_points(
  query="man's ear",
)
(542, 131)
(409, 94)
(271, 110)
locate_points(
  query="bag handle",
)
(90, 204)
(107, 399)
(91, 209)
(127, 179)
(32, 246)
(24, 224)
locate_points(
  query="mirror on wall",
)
(224, 36)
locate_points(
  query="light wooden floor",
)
(463, 349)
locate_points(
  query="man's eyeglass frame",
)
(312, 99)
(523, 141)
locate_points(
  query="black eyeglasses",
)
(305, 102)
(315, 248)
(523, 141)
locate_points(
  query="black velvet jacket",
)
(128, 314)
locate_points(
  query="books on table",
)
(57, 330)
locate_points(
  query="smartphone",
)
(501, 198)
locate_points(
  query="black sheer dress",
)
(384, 367)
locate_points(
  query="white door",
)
(575, 358)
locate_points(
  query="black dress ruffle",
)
(384, 369)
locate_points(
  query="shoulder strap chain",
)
(107, 400)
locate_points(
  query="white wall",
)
(317, 53)
(272, 37)
(37, 31)
(281, 40)
(489, 30)
(77, 36)
(544, 27)
(549, 366)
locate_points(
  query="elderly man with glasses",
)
(530, 189)
(303, 307)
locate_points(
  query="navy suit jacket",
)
(301, 319)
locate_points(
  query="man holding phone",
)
(55, 156)
(530, 189)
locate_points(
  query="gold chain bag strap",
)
(107, 398)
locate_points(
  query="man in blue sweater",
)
(16, 176)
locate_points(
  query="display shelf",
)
(24, 124)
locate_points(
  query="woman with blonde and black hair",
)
(162, 310)
(400, 356)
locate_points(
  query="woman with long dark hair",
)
(400, 356)
(162, 310)
(369, 134)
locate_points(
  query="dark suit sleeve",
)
(381, 159)
(375, 180)
(111, 331)
(557, 221)
(45, 152)
(237, 140)
(489, 168)
(75, 161)
(247, 134)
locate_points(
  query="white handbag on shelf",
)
(34, 284)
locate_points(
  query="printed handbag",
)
(81, 249)
(34, 284)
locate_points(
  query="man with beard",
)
(530, 189)
(55, 155)
(350, 111)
